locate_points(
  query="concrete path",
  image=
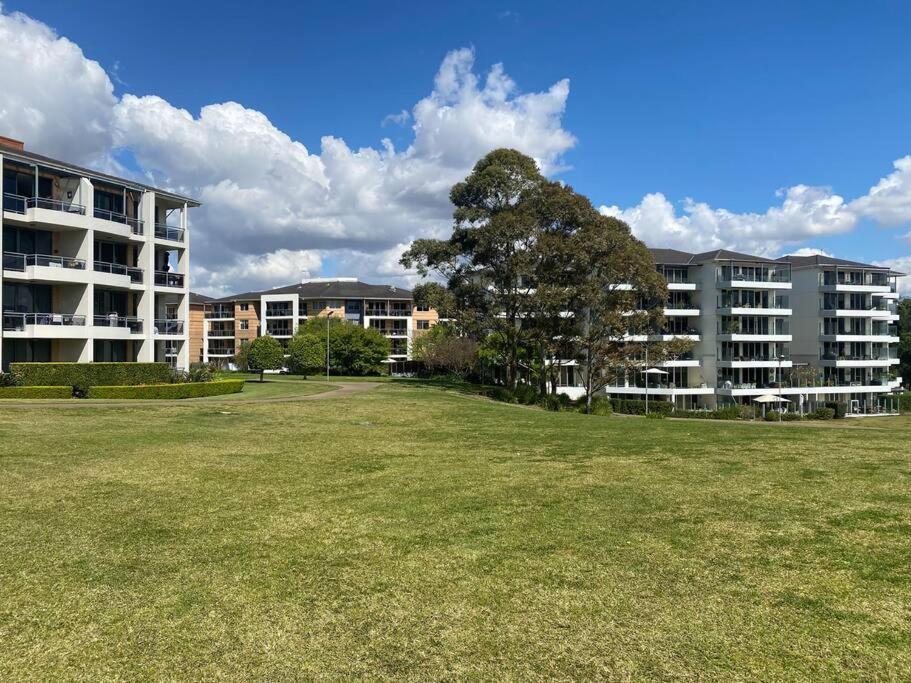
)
(338, 390)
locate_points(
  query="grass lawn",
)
(411, 532)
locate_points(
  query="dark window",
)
(110, 351)
(19, 298)
(27, 241)
(108, 301)
(108, 201)
(111, 252)
(25, 351)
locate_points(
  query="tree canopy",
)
(353, 349)
(265, 353)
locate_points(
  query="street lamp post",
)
(328, 314)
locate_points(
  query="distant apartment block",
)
(94, 267)
(764, 326)
(230, 321)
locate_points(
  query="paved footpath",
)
(338, 390)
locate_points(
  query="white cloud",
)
(43, 75)
(889, 201)
(902, 264)
(809, 251)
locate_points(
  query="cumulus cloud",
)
(44, 74)
(809, 251)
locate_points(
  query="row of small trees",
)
(533, 270)
(352, 350)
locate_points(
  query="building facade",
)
(95, 267)
(806, 329)
(279, 312)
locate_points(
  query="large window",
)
(20, 298)
(111, 252)
(109, 301)
(111, 351)
(25, 351)
(108, 201)
(26, 241)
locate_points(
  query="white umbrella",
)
(769, 398)
(650, 371)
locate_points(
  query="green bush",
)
(772, 416)
(600, 406)
(552, 402)
(7, 380)
(36, 392)
(633, 406)
(791, 417)
(904, 401)
(730, 412)
(822, 414)
(501, 394)
(655, 416)
(89, 374)
(526, 394)
(169, 391)
(840, 408)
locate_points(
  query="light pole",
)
(646, 378)
(328, 314)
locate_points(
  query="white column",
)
(1, 269)
(146, 261)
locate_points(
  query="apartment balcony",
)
(753, 280)
(44, 268)
(44, 210)
(735, 362)
(220, 313)
(220, 352)
(118, 223)
(44, 326)
(674, 311)
(168, 327)
(847, 337)
(858, 361)
(665, 390)
(117, 274)
(114, 326)
(279, 311)
(169, 233)
(165, 278)
(754, 310)
(221, 333)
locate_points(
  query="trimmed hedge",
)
(840, 408)
(169, 391)
(36, 392)
(635, 406)
(90, 374)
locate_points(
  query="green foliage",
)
(242, 356)
(904, 401)
(822, 414)
(7, 379)
(501, 394)
(551, 402)
(526, 394)
(791, 416)
(632, 406)
(904, 341)
(306, 353)
(655, 416)
(36, 392)
(772, 416)
(169, 391)
(90, 374)
(353, 349)
(266, 353)
(840, 408)
(600, 405)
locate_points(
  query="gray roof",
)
(816, 260)
(673, 257)
(333, 289)
(200, 298)
(26, 156)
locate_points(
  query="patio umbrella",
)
(650, 371)
(769, 398)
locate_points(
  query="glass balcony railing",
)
(13, 321)
(169, 232)
(135, 274)
(19, 204)
(134, 325)
(164, 278)
(16, 261)
(168, 326)
(136, 224)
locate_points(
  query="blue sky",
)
(718, 102)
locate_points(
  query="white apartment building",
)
(754, 320)
(229, 321)
(95, 267)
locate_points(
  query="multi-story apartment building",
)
(94, 267)
(807, 329)
(278, 312)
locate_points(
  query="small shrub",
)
(36, 392)
(501, 394)
(655, 416)
(80, 391)
(201, 372)
(169, 391)
(791, 417)
(772, 416)
(746, 412)
(7, 379)
(526, 394)
(731, 412)
(600, 406)
(822, 414)
(633, 406)
(552, 402)
(840, 408)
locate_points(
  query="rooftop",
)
(323, 288)
(817, 260)
(13, 149)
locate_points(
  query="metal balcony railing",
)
(221, 333)
(169, 232)
(164, 278)
(168, 326)
(19, 321)
(136, 224)
(15, 261)
(18, 204)
(135, 274)
(115, 320)
(220, 313)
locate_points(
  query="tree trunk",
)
(261, 375)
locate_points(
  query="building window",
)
(245, 324)
(422, 308)
(245, 307)
(423, 324)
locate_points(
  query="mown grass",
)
(416, 533)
